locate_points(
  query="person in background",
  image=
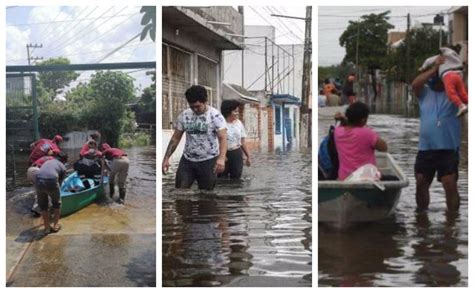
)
(118, 168)
(89, 164)
(47, 184)
(236, 145)
(440, 139)
(333, 99)
(321, 99)
(206, 142)
(348, 90)
(355, 142)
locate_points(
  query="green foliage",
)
(335, 71)
(147, 101)
(100, 105)
(149, 21)
(371, 34)
(51, 81)
(110, 91)
(424, 43)
(58, 118)
(135, 139)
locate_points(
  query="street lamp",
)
(439, 20)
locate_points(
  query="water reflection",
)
(244, 230)
(409, 249)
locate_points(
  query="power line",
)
(93, 52)
(270, 9)
(75, 37)
(118, 48)
(66, 31)
(65, 21)
(105, 34)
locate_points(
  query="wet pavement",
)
(250, 233)
(104, 244)
(410, 248)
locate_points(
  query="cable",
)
(114, 27)
(118, 48)
(66, 31)
(75, 37)
(47, 27)
(270, 9)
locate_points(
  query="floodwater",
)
(254, 232)
(104, 244)
(410, 248)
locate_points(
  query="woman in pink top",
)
(355, 142)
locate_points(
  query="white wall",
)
(166, 140)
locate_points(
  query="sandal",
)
(55, 230)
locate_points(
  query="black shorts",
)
(203, 172)
(442, 162)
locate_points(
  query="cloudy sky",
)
(288, 31)
(83, 34)
(332, 21)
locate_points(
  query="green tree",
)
(51, 81)
(147, 101)
(424, 43)
(110, 92)
(366, 42)
(149, 21)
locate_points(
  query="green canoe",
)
(74, 195)
(342, 204)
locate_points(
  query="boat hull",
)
(71, 202)
(342, 204)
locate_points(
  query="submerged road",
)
(104, 244)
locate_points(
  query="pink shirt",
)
(355, 148)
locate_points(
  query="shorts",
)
(46, 188)
(202, 171)
(442, 162)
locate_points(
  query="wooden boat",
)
(75, 196)
(342, 204)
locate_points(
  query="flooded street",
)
(408, 249)
(104, 244)
(255, 232)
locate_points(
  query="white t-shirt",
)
(201, 133)
(235, 132)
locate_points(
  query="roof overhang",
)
(192, 23)
(285, 98)
(241, 93)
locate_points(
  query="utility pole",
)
(407, 38)
(357, 59)
(266, 66)
(305, 112)
(31, 58)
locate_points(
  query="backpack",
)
(328, 162)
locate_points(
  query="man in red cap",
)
(118, 168)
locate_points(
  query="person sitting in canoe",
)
(355, 142)
(118, 168)
(47, 184)
(89, 164)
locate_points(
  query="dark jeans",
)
(203, 172)
(233, 165)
